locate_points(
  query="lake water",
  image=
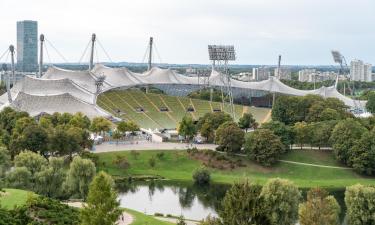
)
(183, 199)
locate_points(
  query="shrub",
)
(134, 154)
(152, 161)
(160, 155)
(202, 176)
(122, 162)
(159, 214)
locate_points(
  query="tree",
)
(19, 177)
(285, 133)
(302, 133)
(229, 137)
(202, 176)
(33, 138)
(102, 206)
(281, 198)
(343, 138)
(187, 128)
(207, 132)
(80, 120)
(242, 205)
(370, 105)
(321, 133)
(5, 162)
(122, 126)
(100, 124)
(50, 180)
(210, 122)
(264, 147)
(80, 174)
(116, 136)
(359, 201)
(30, 160)
(181, 220)
(247, 121)
(319, 209)
(362, 154)
(329, 114)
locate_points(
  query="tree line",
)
(280, 202)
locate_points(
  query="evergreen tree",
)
(102, 206)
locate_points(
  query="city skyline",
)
(304, 32)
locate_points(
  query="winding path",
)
(316, 165)
(125, 218)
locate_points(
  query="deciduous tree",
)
(229, 137)
(264, 147)
(359, 201)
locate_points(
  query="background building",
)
(360, 71)
(261, 73)
(285, 73)
(311, 75)
(27, 46)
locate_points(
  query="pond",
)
(193, 202)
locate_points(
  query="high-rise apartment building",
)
(360, 71)
(27, 46)
(261, 73)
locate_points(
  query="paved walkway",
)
(174, 221)
(316, 165)
(146, 145)
(125, 218)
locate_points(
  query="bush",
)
(89, 155)
(159, 214)
(152, 161)
(160, 155)
(202, 176)
(122, 162)
(134, 154)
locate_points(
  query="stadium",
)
(109, 92)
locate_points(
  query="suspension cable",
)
(97, 54)
(6, 51)
(49, 58)
(105, 52)
(157, 53)
(57, 51)
(144, 56)
(84, 52)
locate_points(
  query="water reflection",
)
(193, 202)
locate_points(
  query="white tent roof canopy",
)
(61, 90)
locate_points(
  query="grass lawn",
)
(142, 219)
(13, 197)
(176, 165)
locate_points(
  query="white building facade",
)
(360, 71)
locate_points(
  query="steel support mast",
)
(41, 39)
(93, 39)
(150, 53)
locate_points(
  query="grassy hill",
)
(126, 104)
(13, 197)
(183, 167)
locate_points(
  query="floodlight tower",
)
(41, 39)
(93, 39)
(344, 69)
(99, 83)
(220, 55)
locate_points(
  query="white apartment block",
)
(284, 74)
(360, 71)
(261, 73)
(311, 75)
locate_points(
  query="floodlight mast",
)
(11, 49)
(220, 55)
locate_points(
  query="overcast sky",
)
(303, 31)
